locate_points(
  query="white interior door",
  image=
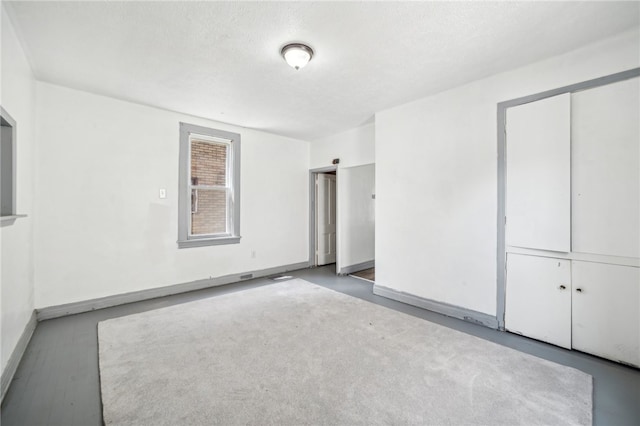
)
(606, 311)
(356, 215)
(325, 219)
(538, 172)
(538, 298)
(605, 128)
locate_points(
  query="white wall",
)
(17, 97)
(353, 147)
(436, 176)
(101, 228)
(356, 215)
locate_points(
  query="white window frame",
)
(227, 188)
(189, 132)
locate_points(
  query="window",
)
(209, 199)
(7, 169)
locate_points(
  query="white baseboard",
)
(153, 293)
(14, 360)
(357, 267)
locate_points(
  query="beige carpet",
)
(293, 353)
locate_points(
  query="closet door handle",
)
(579, 290)
(562, 287)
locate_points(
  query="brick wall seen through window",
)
(208, 205)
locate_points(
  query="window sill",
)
(204, 242)
(8, 220)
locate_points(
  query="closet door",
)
(538, 175)
(538, 298)
(606, 311)
(606, 169)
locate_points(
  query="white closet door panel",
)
(538, 173)
(606, 311)
(606, 169)
(536, 304)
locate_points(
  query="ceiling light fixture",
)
(297, 54)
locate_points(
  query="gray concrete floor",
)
(57, 382)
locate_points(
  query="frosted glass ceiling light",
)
(297, 55)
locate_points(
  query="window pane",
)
(208, 163)
(208, 211)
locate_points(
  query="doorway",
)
(323, 231)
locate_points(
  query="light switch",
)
(163, 193)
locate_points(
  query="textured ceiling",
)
(220, 60)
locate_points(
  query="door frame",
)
(502, 165)
(312, 215)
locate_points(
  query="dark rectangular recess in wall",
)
(7, 172)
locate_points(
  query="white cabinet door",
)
(537, 305)
(605, 140)
(606, 311)
(538, 172)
